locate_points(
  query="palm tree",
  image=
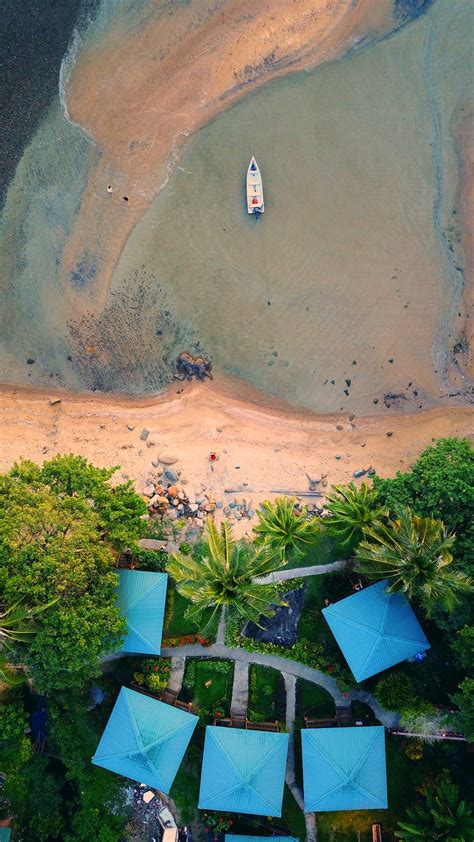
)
(414, 554)
(353, 509)
(17, 625)
(281, 529)
(444, 816)
(226, 577)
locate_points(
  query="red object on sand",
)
(213, 457)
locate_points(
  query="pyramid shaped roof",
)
(344, 768)
(141, 598)
(243, 771)
(145, 740)
(375, 630)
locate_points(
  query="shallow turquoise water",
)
(351, 276)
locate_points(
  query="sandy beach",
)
(261, 445)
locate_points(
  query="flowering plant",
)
(216, 822)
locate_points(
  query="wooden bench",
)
(320, 723)
(262, 726)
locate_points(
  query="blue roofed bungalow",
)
(344, 769)
(243, 771)
(141, 598)
(375, 630)
(145, 739)
(5, 833)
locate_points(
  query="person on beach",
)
(109, 188)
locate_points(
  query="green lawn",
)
(185, 789)
(292, 816)
(176, 623)
(263, 694)
(323, 552)
(313, 701)
(217, 675)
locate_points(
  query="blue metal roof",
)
(375, 630)
(243, 771)
(5, 834)
(145, 740)
(344, 769)
(141, 598)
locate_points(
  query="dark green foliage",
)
(464, 699)
(353, 508)
(415, 555)
(56, 527)
(440, 485)
(395, 691)
(444, 815)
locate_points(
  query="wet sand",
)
(258, 440)
(153, 81)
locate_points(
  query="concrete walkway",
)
(388, 718)
(240, 689)
(220, 637)
(310, 818)
(175, 681)
(298, 572)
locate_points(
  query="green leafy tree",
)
(463, 647)
(119, 509)
(16, 625)
(415, 555)
(464, 699)
(225, 576)
(353, 509)
(55, 552)
(283, 530)
(440, 485)
(395, 691)
(443, 816)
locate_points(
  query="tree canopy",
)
(59, 527)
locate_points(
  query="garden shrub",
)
(395, 692)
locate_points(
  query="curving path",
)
(284, 665)
(301, 572)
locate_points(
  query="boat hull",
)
(255, 201)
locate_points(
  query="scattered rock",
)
(144, 434)
(173, 491)
(351, 417)
(151, 544)
(391, 360)
(30, 361)
(237, 467)
(130, 427)
(339, 426)
(125, 476)
(219, 504)
(155, 463)
(219, 429)
(324, 482)
(371, 471)
(171, 547)
(250, 512)
(390, 434)
(376, 400)
(348, 383)
(148, 491)
(360, 473)
(168, 458)
(54, 401)
(363, 444)
(338, 457)
(170, 475)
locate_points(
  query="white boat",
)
(255, 203)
